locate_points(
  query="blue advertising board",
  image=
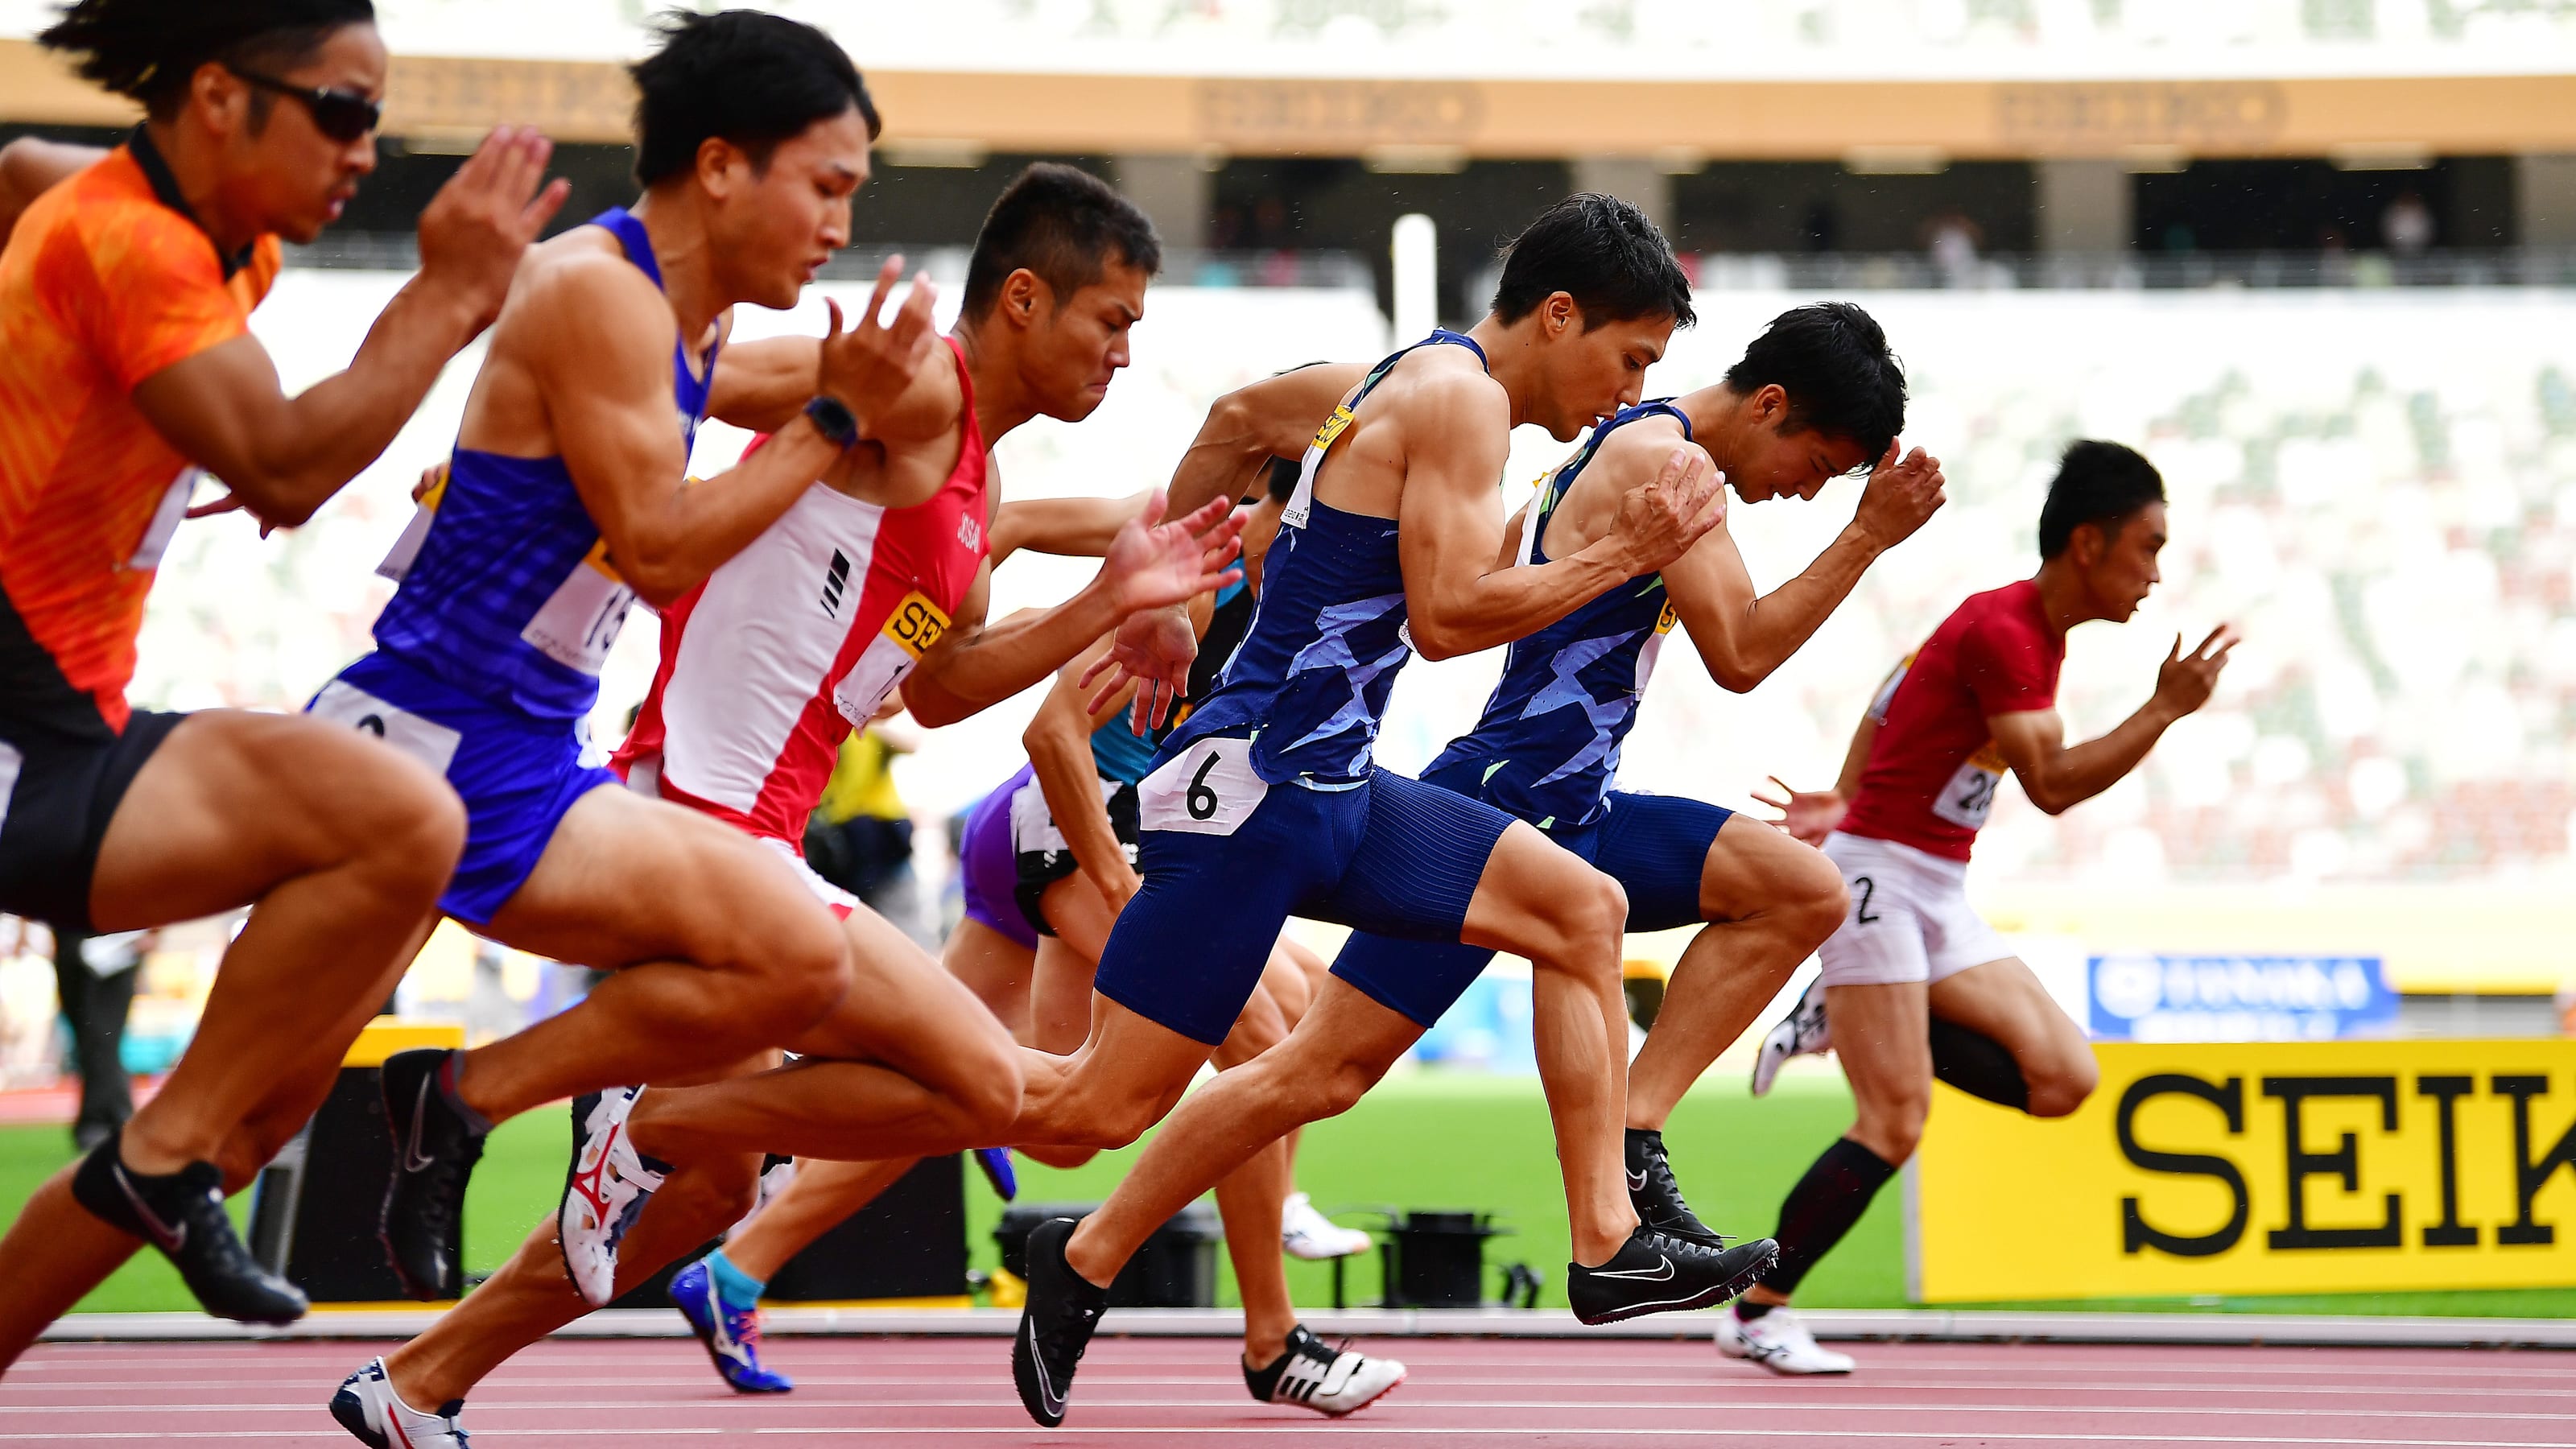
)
(2147, 996)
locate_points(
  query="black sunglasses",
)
(341, 115)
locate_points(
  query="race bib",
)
(399, 558)
(915, 626)
(430, 743)
(579, 623)
(1208, 789)
(165, 520)
(11, 762)
(1970, 795)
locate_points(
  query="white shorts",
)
(1909, 920)
(841, 901)
(645, 778)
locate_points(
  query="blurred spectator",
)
(94, 978)
(1952, 239)
(860, 837)
(2407, 225)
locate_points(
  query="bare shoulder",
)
(1635, 452)
(580, 285)
(1448, 391)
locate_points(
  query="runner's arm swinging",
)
(1059, 744)
(29, 166)
(2057, 776)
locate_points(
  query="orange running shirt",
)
(106, 281)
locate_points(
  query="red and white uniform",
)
(771, 662)
(1927, 787)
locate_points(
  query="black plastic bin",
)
(1175, 1269)
(1436, 1259)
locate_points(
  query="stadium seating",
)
(2334, 456)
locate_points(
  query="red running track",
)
(1463, 1392)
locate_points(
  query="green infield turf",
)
(1426, 1139)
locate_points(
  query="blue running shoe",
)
(996, 1162)
(732, 1335)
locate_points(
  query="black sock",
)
(1978, 1065)
(1746, 1310)
(475, 1122)
(1823, 1207)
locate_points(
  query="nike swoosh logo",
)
(1662, 1271)
(171, 1239)
(415, 1160)
(1046, 1389)
(1636, 1182)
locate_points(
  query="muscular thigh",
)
(626, 880)
(1753, 867)
(234, 803)
(994, 967)
(1078, 914)
(903, 1009)
(2005, 1000)
(1882, 1037)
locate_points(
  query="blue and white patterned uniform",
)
(1547, 751)
(1547, 746)
(1265, 803)
(487, 660)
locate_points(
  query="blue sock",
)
(738, 1289)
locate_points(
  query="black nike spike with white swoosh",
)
(435, 1150)
(1658, 1273)
(1657, 1195)
(182, 1214)
(1056, 1324)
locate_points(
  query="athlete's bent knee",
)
(1590, 915)
(1819, 902)
(988, 1091)
(803, 971)
(2062, 1087)
(1341, 1089)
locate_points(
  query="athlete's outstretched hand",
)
(868, 366)
(480, 223)
(1151, 567)
(1900, 496)
(2184, 681)
(1807, 815)
(1662, 517)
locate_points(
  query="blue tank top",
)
(512, 598)
(1547, 747)
(1309, 682)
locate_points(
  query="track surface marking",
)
(865, 1391)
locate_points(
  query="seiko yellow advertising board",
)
(2259, 1167)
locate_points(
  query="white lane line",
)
(486, 1412)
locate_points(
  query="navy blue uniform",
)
(1265, 803)
(487, 659)
(1546, 751)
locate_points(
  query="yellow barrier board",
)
(387, 1035)
(2259, 1167)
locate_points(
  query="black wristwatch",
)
(834, 420)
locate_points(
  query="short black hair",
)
(2098, 483)
(1281, 477)
(1833, 361)
(1604, 254)
(743, 76)
(149, 50)
(1063, 224)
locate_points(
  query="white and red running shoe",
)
(606, 1188)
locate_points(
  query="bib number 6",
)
(1201, 801)
(1209, 788)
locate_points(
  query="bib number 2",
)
(1208, 789)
